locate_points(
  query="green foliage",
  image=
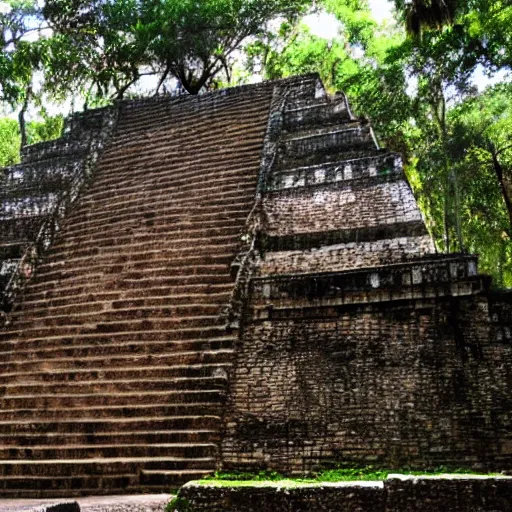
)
(480, 149)
(351, 474)
(241, 476)
(101, 48)
(178, 504)
(18, 58)
(9, 142)
(48, 128)
(195, 41)
(37, 131)
(336, 474)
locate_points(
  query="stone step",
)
(40, 486)
(55, 149)
(113, 418)
(113, 322)
(85, 485)
(134, 280)
(93, 309)
(141, 119)
(317, 133)
(135, 154)
(212, 203)
(85, 292)
(160, 298)
(300, 103)
(245, 161)
(182, 219)
(327, 140)
(138, 261)
(339, 172)
(176, 168)
(339, 154)
(109, 346)
(125, 243)
(187, 451)
(155, 269)
(124, 385)
(141, 233)
(58, 361)
(129, 138)
(157, 249)
(175, 183)
(107, 255)
(98, 466)
(99, 421)
(29, 439)
(43, 400)
(95, 217)
(184, 171)
(164, 196)
(86, 375)
(106, 312)
(125, 246)
(208, 329)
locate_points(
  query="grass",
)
(368, 473)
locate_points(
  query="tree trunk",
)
(498, 169)
(21, 120)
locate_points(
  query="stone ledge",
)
(306, 241)
(453, 493)
(430, 271)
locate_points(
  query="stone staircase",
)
(334, 201)
(36, 194)
(352, 338)
(114, 366)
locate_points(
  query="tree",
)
(430, 14)
(107, 45)
(195, 41)
(93, 51)
(481, 138)
(9, 142)
(19, 57)
(46, 128)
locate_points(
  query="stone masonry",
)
(359, 344)
(239, 280)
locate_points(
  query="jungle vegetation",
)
(413, 76)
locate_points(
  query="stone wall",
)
(417, 383)
(36, 194)
(358, 343)
(393, 495)
(349, 256)
(329, 209)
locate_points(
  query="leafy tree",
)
(19, 57)
(92, 52)
(9, 142)
(480, 150)
(47, 128)
(195, 41)
(420, 14)
(107, 45)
